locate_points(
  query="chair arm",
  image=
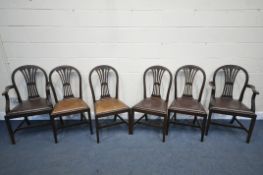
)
(5, 93)
(253, 98)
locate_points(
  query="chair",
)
(226, 104)
(106, 105)
(187, 104)
(34, 104)
(153, 105)
(69, 104)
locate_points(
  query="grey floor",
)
(224, 152)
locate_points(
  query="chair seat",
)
(153, 105)
(108, 105)
(30, 107)
(229, 105)
(187, 105)
(69, 106)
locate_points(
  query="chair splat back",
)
(103, 72)
(29, 73)
(190, 72)
(65, 74)
(230, 73)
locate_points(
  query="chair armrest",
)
(5, 93)
(253, 98)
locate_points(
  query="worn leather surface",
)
(228, 104)
(152, 104)
(109, 105)
(32, 106)
(69, 105)
(187, 104)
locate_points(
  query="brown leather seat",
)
(69, 105)
(226, 104)
(187, 105)
(154, 105)
(30, 107)
(109, 105)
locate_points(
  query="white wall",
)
(131, 35)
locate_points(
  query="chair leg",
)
(164, 127)
(131, 121)
(11, 133)
(208, 123)
(53, 123)
(174, 118)
(90, 122)
(203, 129)
(233, 119)
(250, 130)
(146, 117)
(61, 120)
(97, 129)
(27, 121)
(115, 118)
(194, 119)
(168, 123)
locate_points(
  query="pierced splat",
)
(157, 75)
(189, 73)
(230, 76)
(103, 73)
(29, 73)
(157, 80)
(65, 74)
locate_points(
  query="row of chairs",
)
(154, 102)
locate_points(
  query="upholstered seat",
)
(226, 104)
(109, 105)
(69, 105)
(187, 105)
(30, 107)
(154, 105)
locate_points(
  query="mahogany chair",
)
(69, 104)
(105, 104)
(226, 104)
(187, 103)
(155, 104)
(34, 104)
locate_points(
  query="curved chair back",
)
(65, 73)
(157, 73)
(29, 73)
(103, 72)
(189, 72)
(230, 74)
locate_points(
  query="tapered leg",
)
(233, 119)
(208, 123)
(53, 123)
(195, 119)
(97, 129)
(27, 121)
(174, 117)
(164, 127)
(250, 130)
(146, 117)
(115, 118)
(168, 123)
(90, 122)
(11, 133)
(131, 120)
(203, 129)
(61, 120)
